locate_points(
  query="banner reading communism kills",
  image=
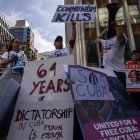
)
(75, 13)
(44, 108)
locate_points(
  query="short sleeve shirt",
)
(61, 52)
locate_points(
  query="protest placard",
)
(7, 105)
(43, 120)
(132, 77)
(75, 13)
(44, 109)
(42, 78)
(89, 85)
(119, 129)
(106, 117)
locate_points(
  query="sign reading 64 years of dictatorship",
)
(44, 108)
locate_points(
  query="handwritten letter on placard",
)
(32, 121)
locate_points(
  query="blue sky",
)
(39, 14)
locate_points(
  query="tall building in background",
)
(23, 32)
(88, 52)
(5, 35)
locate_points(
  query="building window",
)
(103, 17)
(120, 17)
(134, 14)
(92, 57)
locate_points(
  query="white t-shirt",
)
(113, 54)
(61, 52)
(58, 53)
(21, 57)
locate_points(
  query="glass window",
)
(134, 14)
(92, 57)
(120, 17)
(103, 17)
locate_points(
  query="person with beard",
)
(88, 111)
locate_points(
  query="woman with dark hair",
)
(14, 58)
(13, 55)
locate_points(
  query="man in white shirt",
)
(113, 51)
(58, 43)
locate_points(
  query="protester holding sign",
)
(60, 51)
(58, 43)
(13, 53)
(114, 49)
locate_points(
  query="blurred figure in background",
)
(3, 50)
(135, 58)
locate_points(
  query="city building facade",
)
(23, 32)
(88, 52)
(5, 35)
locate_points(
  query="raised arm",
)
(73, 36)
(120, 35)
(102, 35)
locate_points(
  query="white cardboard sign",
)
(50, 120)
(42, 78)
(89, 84)
(44, 108)
(75, 13)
